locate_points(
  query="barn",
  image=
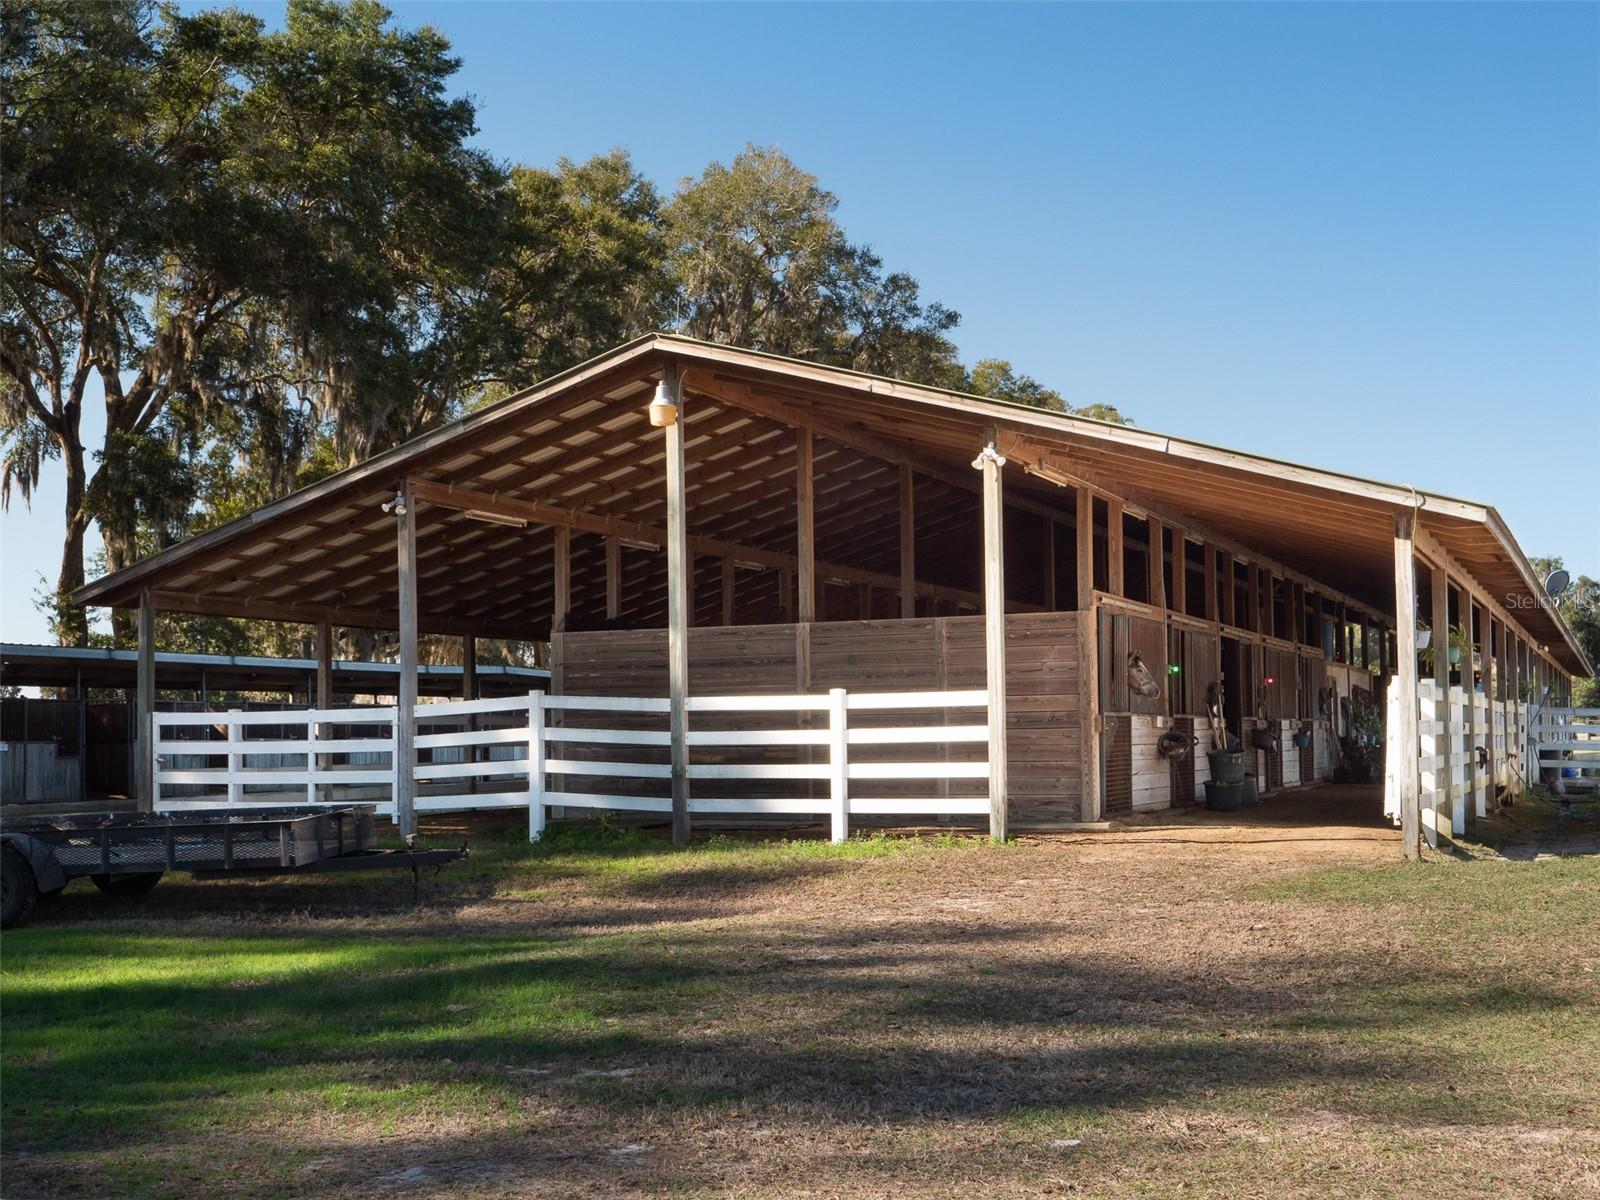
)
(771, 588)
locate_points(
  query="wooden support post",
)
(728, 572)
(805, 521)
(678, 601)
(1252, 597)
(1083, 525)
(908, 542)
(1341, 634)
(1405, 724)
(469, 667)
(613, 578)
(324, 665)
(405, 715)
(1514, 747)
(1211, 582)
(989, 461)
(1297, 623)
(1471, 804)
(563, 580)
(1157, 591)
(1229, 614)
(1180, 571)
(145, 703)
(1444, 806)
(1090, 782)
(1115, 584)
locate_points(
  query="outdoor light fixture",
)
(397, 506)
(1173, 668)
(663, 410)
(1269, 681)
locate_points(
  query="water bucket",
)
(1224, 797)
(1227, 766)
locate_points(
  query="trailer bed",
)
(126, 853)
(203, 840)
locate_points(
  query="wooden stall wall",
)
(1043, 680)
(1197, 653)
(1280, 690)
(1136, 776)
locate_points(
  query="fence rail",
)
(1566, 740)
(544, 752)
(1471, 746)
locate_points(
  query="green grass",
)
(114, 1031)
(1467, 890)
(599, 984)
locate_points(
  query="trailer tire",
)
(19, 890)
(125, 887)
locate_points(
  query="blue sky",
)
(1361, 236)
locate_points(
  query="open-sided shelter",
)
(783, 529)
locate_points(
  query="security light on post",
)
(663, 408)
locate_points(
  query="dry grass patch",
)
(1175, 1007)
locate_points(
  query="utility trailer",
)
(125, 854)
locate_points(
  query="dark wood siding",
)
(1044, 674)
(1121, 637)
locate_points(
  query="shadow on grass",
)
(624, 1025)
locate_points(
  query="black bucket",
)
(1227, 766)
(1224, 797)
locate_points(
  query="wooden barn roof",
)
(577, 451)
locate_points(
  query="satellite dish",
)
(1556, 583)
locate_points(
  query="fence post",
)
(311, 760)
(235, 759)
(535, 765)
(154, 734)
(838, 764)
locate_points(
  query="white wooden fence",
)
(599, 751)
(1513, 735)
(1567, 740)
(1448, 731)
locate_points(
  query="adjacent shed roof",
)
(578, 449)
(96, 667)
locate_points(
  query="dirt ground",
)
(1195, 1004)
